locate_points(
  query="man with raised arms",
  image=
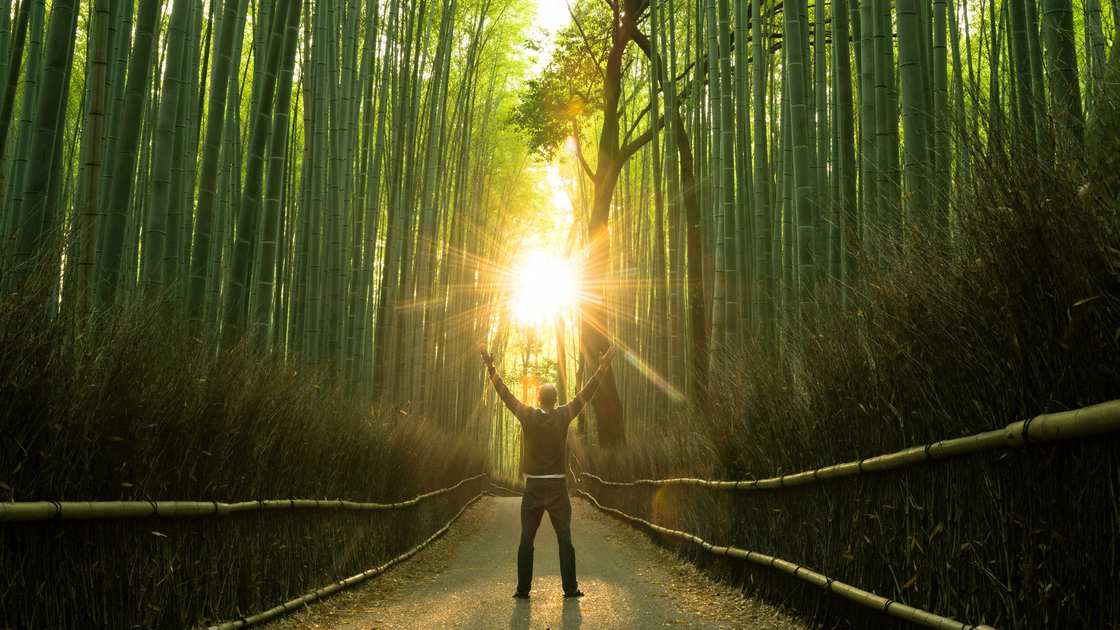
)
(546, 435)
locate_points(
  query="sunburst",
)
(543, 286)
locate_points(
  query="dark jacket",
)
(546, 432)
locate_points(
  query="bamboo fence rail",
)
(1051, 427)
(510, 490)
(871, 600)
(46, 510)
(347, 583)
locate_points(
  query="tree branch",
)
(579, 153)
(586, 43)
(630, 148)
(637, 121)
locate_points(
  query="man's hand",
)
(605, 359)
(487, 358)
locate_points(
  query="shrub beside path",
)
(466, 579)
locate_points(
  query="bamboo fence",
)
(871, 600)
(46, 510)
(195, 572)
(505, 489)
(1089, 421)
(316, 595)
(1020, 538)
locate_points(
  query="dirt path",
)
(466, 579)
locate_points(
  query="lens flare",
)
(646, 370)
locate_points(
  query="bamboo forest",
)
(250, 251)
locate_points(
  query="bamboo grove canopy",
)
(341, 182)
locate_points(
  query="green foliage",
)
(567, 94)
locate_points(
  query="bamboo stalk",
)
(73, 510)
(1049, 427)
(860, 596)
(294, 604)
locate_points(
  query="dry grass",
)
(134, 408)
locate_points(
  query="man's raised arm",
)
(512, 403)
(588, 392)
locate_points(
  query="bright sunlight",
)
(543, 285)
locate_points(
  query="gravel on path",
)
(465, 580)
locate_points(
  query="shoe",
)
(575, 593)
(524, 595)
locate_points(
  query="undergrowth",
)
(131, 407)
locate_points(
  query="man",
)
(546, 435)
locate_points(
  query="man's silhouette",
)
(546, 435)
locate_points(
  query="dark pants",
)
(541, 495)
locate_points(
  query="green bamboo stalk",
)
(375, 195)
(822, 226)
(846, 158)
(802, 181)
(56, 211)
(764, 292)
(116, 222)
(719, 236)
(914, 126)
(233, 311)
(659, 274)
(34, 224)
(1094, 51)
(727, 172)
(17, 166)
(264, 295)
(886, 130)
(95, 120)
(961, 156)
(426, 237)
(1062, 64)
(14, 63)
(319, 132)
(153, 271)
(337, 212)
(677, 358)
(942, 155)
(120, 29)
(1021, 55)
(869, 154)
(785, 231)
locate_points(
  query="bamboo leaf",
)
(937, 530)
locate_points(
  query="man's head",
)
(547, 396)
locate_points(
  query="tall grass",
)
(1016, 315)
(131, 407)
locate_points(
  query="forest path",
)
(630, 583)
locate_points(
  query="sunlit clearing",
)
(552, 15)
(558, 196)
(542, 286)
